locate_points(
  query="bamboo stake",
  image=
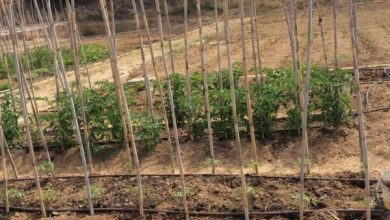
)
(159, 87)
(218, 43)
(305, 111)
(122, 97)
(187, 71)
(4, 169)
(6, 67)
(11, 158)
(146, 77)
(298, 76)
(234, 110)
(75, 53)
(257, 41)
(84, 57)
(336, 63)
(188, 75)
(11, 25)
(113, 31)
(64, 81)
(294, 18)
(246, 87)
(254, 55)
(362, 136)
(31, 94)
(166, 13)
(320, 19)
(205, 88)
(173, 115)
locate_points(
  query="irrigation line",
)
(377, 212)
(173, 115)
(234, 110)
(201, 175)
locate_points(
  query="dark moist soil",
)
(205, 194)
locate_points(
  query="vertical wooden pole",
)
(84, 57)
(218, 43)
(11, 26)
(10, 158)
(295, 26)
(205, 88)
(76, 65)
(31, 94)
(246, 87)
(305, 110)
(320, 19)
(254, 55)
(64, 81)
(254, 8)
(166, 13)
(234, 110)
(159, 87)
(173, 115)
(113, 29)
(122, 97)
(4, 169)
(187, 71)
(362, 135)
(146, 77)
(336, 62)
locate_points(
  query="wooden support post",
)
(320, 19)
(65, 84)
(122, 100)
(159, 87)
(169, 34)
(336, 62)
(4, 169)
(254, 38)
(11, 26)
(146, 77)
(254, 8)
(246, 88)
(218, 43)
(71, 14)
(10, 158)
(305, 111)
(205, 88)
(234, 110)
(173, 115)
(362, 135)
(31, 94)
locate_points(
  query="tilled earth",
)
(205, 194)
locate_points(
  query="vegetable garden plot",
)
(218, 105)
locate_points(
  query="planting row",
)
(41, 61)
(273, 99)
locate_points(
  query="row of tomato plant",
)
(41, 59)
(272, 99)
